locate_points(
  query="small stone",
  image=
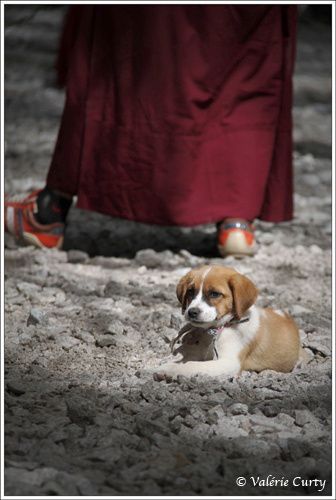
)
(36, 316)
(319, 348)
(269, 410)
(303, 417)
(266, 238)
(183, 411)
(17, 463)
(66, 341)
(285, 435)
(311, 180)
(104, 454)
(230, 428)
(189, 421)
(110, 262)
(115, 328)
(238, 409)
(85, 336)
(297, 310)
(254, 447)
(189, 259)
(106, 340)
(113, 288)
(25, 339)
(77, 257)
(303, 335)
(147, 428)
(148, 258)
(80, 410)
(74, 431)
(214, 414)
(285, 419)
(307, 355)
(327, 228)
(315, 249)
(60, 486)
(265, 424)
(28, 289)
(86, 487)
(54, 331)
(16, 388)
(26, 477)
(297, 448)
(175, 424)
(129, 408)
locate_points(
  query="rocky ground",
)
(83, 417)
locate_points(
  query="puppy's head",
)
(212, 295)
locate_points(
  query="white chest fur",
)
(229, 344)
(231, 341)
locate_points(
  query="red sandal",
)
(22, 224)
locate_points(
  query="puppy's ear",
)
(244, 294)
(181, 291)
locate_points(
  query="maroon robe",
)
(177, 114)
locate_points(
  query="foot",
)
(21, 221)
(236, 237)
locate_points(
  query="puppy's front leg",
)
(214, 368)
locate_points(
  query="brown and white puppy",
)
(221, 302)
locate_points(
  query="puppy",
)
(226, 331)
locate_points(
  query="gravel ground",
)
(83, 416)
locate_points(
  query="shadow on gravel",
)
(80, 440)
(98, 234)
(317, 149)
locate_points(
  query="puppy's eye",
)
(213, 294)
(191, 292)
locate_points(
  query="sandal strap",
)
(236, 224)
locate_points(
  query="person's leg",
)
(182, 133)
(39, 217)
(52, 206)
(236, 236)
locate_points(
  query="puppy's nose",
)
(193, 312)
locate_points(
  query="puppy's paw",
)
(166, 372)
(160, 376)
(145, 372)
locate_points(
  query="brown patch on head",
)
(244, 294)
(235, 293)
(223, 288)
(188, 286)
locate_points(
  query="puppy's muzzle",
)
(193, 313)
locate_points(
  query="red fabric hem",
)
(199, 219)
(221, 70)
